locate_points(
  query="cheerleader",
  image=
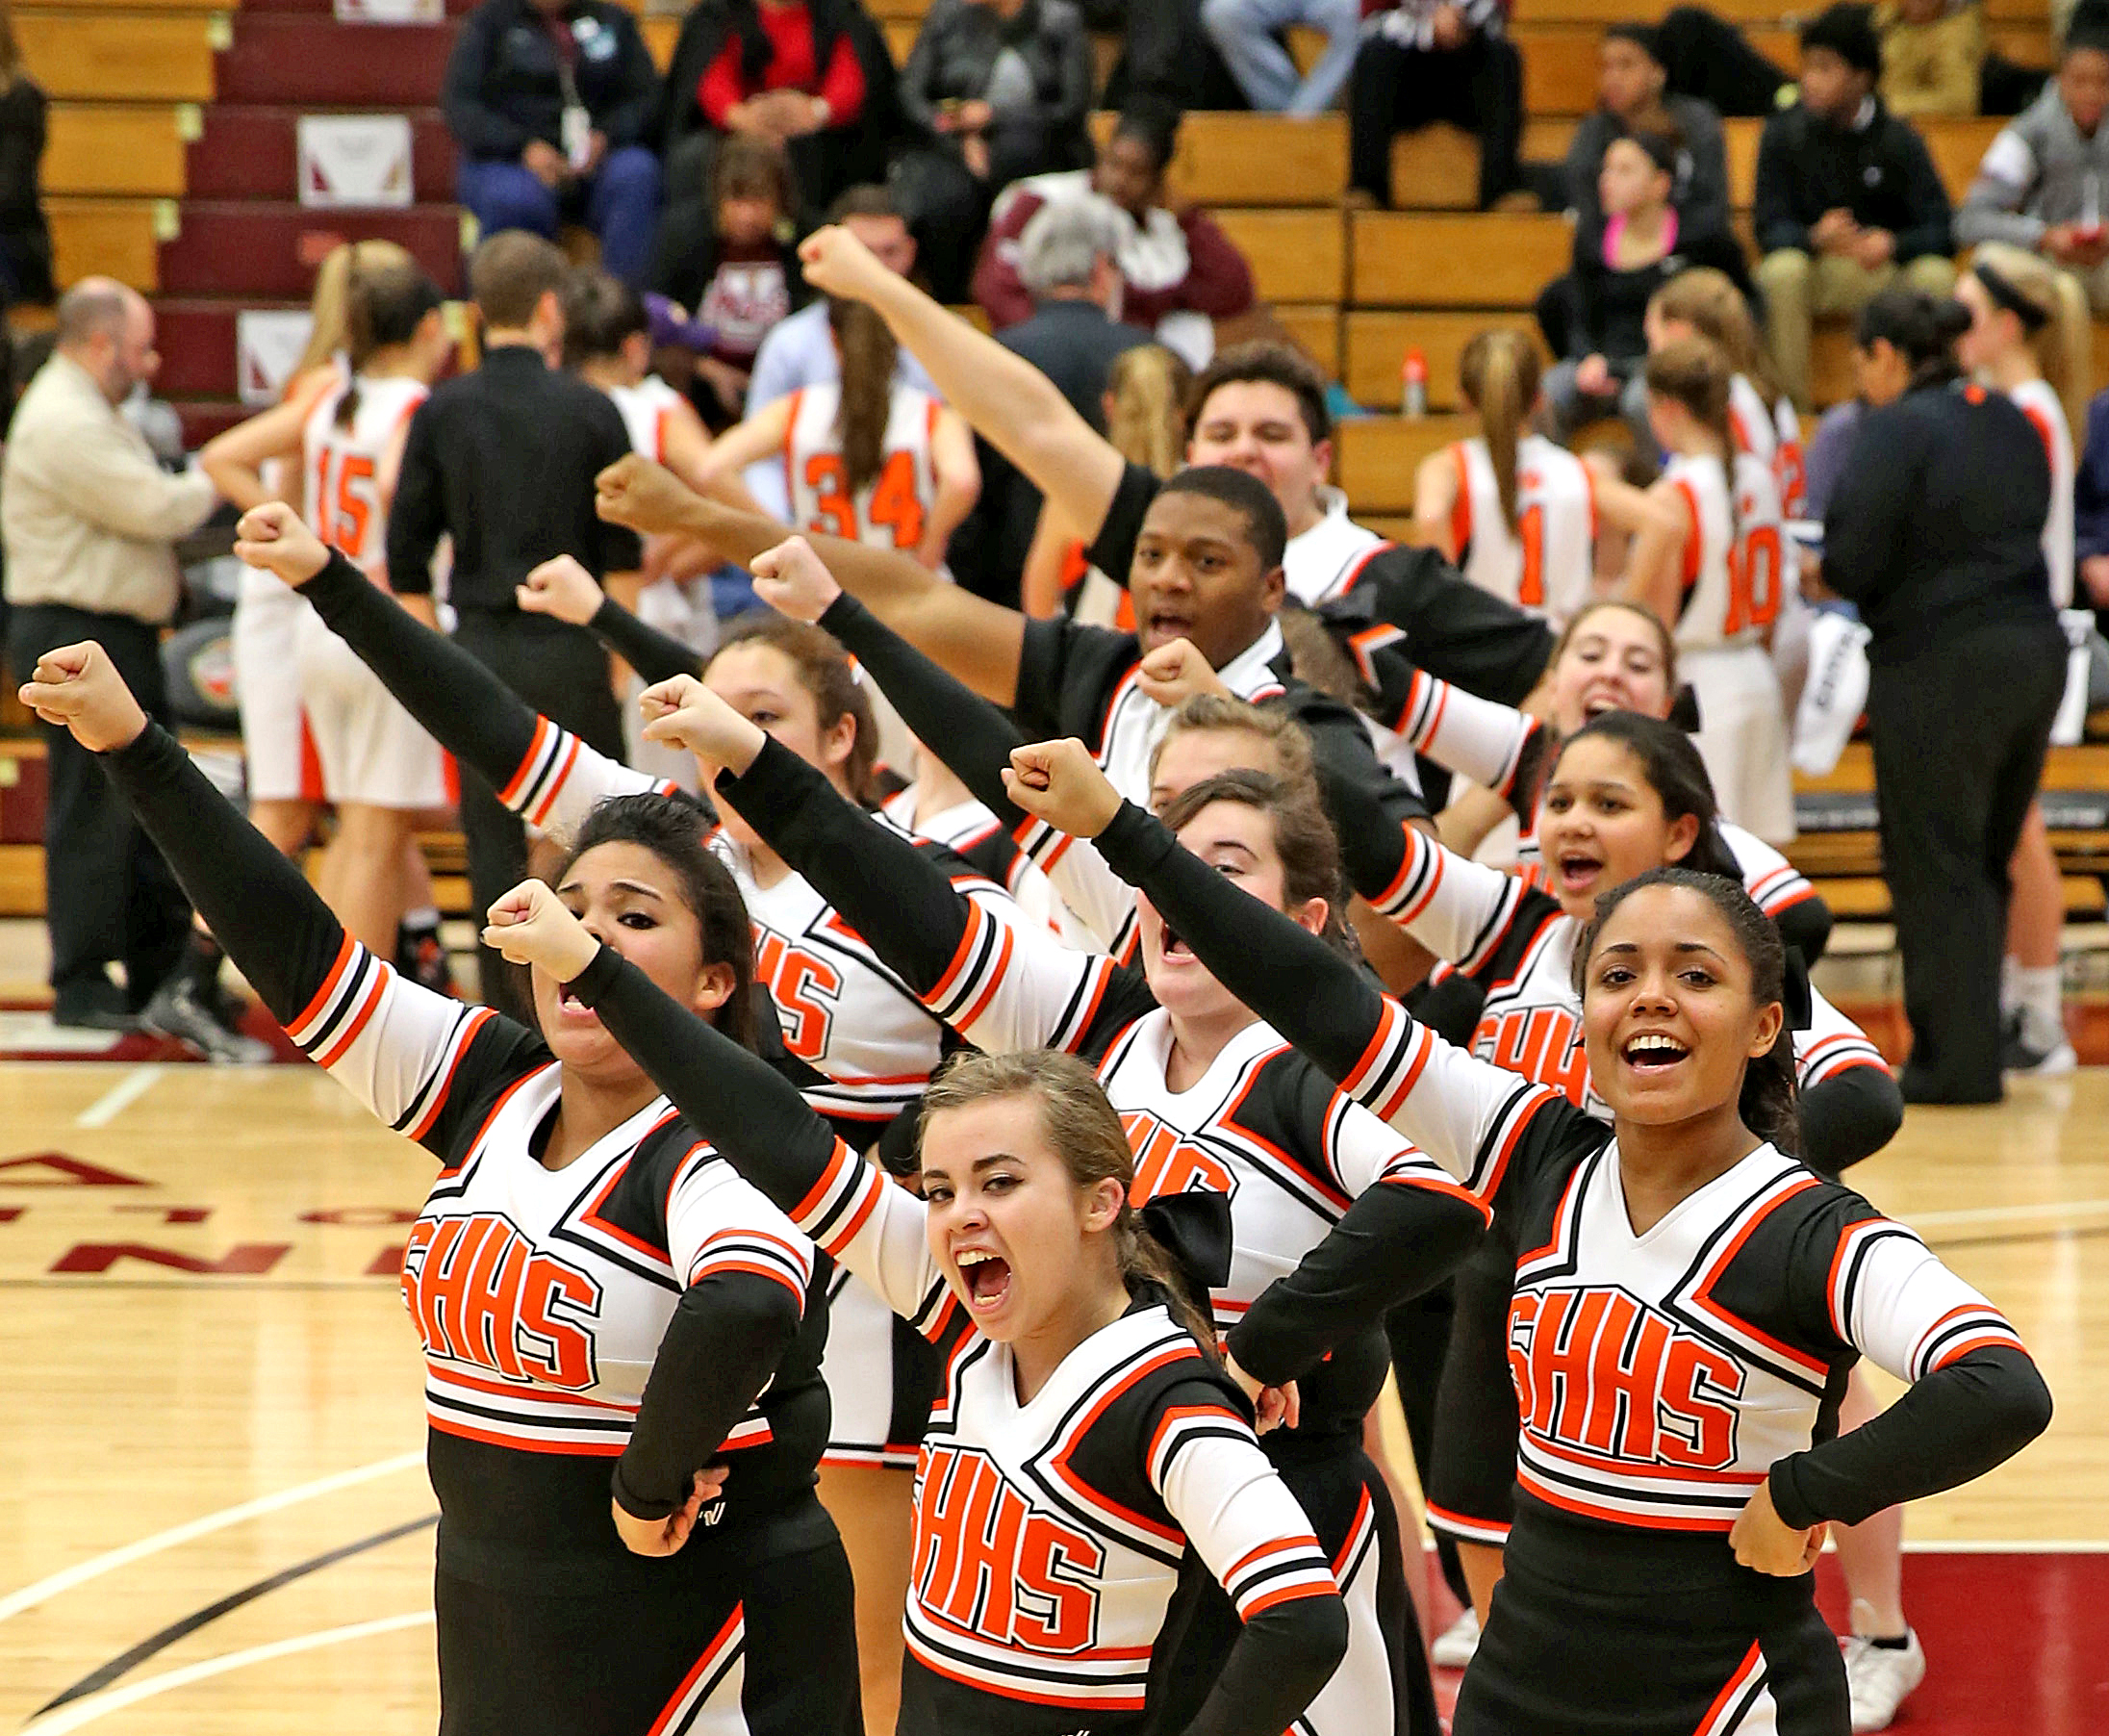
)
(1705, 303)
(2015, 343)
(1727, 590)
(376, 767)
(1515, 512)
(1687, 1307)
(866, 460)
(860, 1042)
(1212, 1100)
(605, 1305)
(1090, 1476)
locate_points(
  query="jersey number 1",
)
(1531, 533)
(895, 503)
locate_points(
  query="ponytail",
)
(1707, 300)
(869, 354)
(358, 342)
(384, 305)
(1498, 373)
(1145, 422)
(2026, 286)
(1695, 373)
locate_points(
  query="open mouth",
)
(1653, 1052)
(572, 1008)
(1578, 870)
(1165, 627)
(1600, 700)
(1175, 944)
(986, 1276)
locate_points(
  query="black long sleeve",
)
(1282, 1659)
(257, 904)
(655, 655)
(1848, 1116)
(756, 1118)
(1806, 927)
(729, 1332)
(1454, 630)
(1954, 1425)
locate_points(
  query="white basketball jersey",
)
(2042, 408)
(1544, 565)
(1731, 561)
(1324, 562)
(1772, 436)
(888, 511)
(645, 408)
(344, 466)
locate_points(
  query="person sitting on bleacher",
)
(1179, 273)
(1630, 99)
(2040, 183)
(1847, 197)
(25, 237)
(1425, 60)
(1248, 34)
(1933, 56)
(552, 102)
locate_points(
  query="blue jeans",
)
(1245, 31)
(620, 202)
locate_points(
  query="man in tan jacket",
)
(88, 520)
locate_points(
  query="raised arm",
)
(562, 589)
(235, 460)
(957, 473)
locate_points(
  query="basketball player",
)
(1689, 1306)
(596, 1290)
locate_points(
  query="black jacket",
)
(1936, 525)
(1879, 172)
(504, 89)
(1608, 308)
(956, 54)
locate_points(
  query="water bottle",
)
(1413, 384)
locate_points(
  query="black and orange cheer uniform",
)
(610, 1326)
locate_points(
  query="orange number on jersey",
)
(1531, 533)
(804, 988)
(1754, 580)
(832, 501)
(349, 516)
(894, 503)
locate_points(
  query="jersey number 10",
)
(1753, 580)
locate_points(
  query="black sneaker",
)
(92, 1007)
(177, 1012)
(2019, 1056)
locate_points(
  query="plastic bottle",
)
(1413, 384)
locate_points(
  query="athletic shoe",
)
(2021, 1058)
(1879, 1678)
(1455, 1646)
(177, 1012)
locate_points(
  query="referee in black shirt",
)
(503, 461)
(1935, 529)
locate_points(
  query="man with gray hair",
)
(88, 520)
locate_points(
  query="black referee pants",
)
(108, 895)
(561, 672)
(1959, 732)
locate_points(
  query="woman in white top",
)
(1515, 512)
(2015, 343)
(1706, 303)
(1723, 593)
(867, 459)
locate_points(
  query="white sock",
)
(2039, 993)
(2010, 995)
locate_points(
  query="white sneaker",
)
(1880, 1677)
(1455, 1646)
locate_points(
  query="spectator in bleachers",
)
(2040, 184)
(1425, 60)
(732, 265)
(1179, 273)
(1711, 58)
(1847, 198)
(811, 76)
(1594, 317)
(997, 90)
(1933, 56)
(2090, 512)
(1248, 34)
(1631, 100)
(25, 237)
(552, 104)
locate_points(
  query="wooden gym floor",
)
(214, 1515)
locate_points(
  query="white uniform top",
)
(344, 464)
(1322, 562)
(1546, 562)
(1732, 565)
(888, 511)
(645, 407)
(1773, 883)
(2042, 408)
(1773, 436)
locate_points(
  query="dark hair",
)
(1695, 372)
(383, 308)
(867, 199)
(865, 404)
(672, 828)
(748, 167)
(825, 671)
(1303, 839)
(1919, 328)
(1086, 1134)
(1270, 364)
(1643, 37)
(601, 313)
(1768, 1101)
(1848, 31)
(1156, 133)
(1268, 527)
(1659, 148)
(510, 273)
(1671, 767)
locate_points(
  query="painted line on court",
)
(85, 1712)
(120, 1096)
(121, 1666)
(66, 1578)
(1998, 1214)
